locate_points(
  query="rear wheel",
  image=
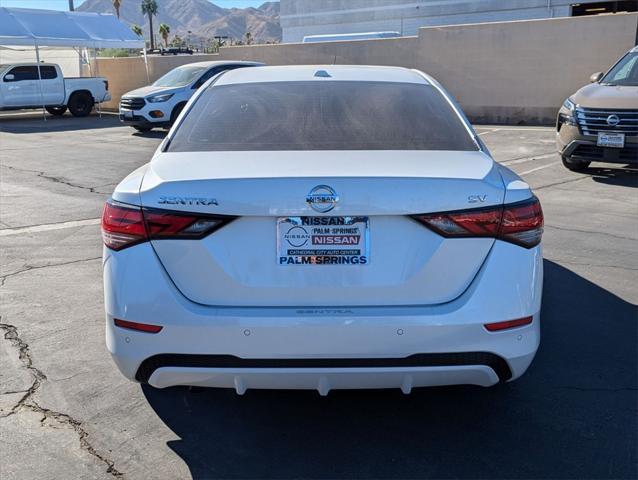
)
(80, 104)
(57, 111)
(575, 165)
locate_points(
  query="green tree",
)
(249, 38)
(149, 8)
(164, 30)
(137, 30)
(116, 5)
(177, 41)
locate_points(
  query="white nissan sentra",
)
(322, 227)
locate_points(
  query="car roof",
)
(28, 64)
(221, 62)
(301, 73)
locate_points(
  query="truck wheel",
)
(57, 111)
(575, 165)
(80, 104)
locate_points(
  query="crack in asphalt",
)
(567, 229)
(571, 180)
(11, 334)
(60, 180)
(28, 268)
(584, 264)
(26, 401)
(75, 425)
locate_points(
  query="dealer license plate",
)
(323, 241)
(614, 140)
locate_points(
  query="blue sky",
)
(64, 4)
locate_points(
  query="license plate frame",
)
(329, 240)
(610, 140)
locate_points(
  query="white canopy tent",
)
(52, 28)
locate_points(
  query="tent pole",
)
(37, 59)
(148, 78)
(97, 74)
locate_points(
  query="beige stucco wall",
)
(510, 72)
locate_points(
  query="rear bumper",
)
(323, 348)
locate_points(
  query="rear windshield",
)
(331, 115)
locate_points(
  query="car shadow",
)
(150, 134)
(572, 415)
(626, 176)
(33, 122)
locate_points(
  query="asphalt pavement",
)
(66, 411)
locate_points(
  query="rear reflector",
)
(127, 225)
(140, 327)
(519, 223)
(498, 326)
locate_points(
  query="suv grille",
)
(132, 103)
(594, 120)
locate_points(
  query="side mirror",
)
(596, 77)
(9, 77)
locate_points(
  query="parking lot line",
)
(539, 168)
(527, 159)
(48, 227)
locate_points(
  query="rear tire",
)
(142, 129)
(575, 165)
(56, 111)
(80, 104)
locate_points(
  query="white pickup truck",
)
(22, 87)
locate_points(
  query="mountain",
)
(198, 20)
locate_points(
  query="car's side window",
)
(48, 73)
(209, 74)
(21, 73)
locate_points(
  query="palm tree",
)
(116, 6)
(137, 30)
(149, 7)
(164, 30)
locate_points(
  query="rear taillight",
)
(126, 225)
(122, 225)
(519, 223)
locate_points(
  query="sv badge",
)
(476, 198)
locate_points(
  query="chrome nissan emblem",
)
(613, 120)
(322, 198)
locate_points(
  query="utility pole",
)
(71, 7)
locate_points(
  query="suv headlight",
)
(569, 105)
(160, 98)
(568, 117)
